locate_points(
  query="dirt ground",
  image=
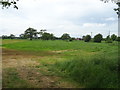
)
(25, 65)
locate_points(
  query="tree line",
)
(99, 37)
(32, 33)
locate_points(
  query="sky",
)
(75, 17)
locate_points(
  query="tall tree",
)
(113, 37)
(31, 33)
(98, 38)
(87, 38)
(22, 36)
(108, 39)
(65, 36)
(47, 36)
(42, 31)
(12, 36)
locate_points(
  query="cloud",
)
(110, 19)
(76, 17)
(94, 24)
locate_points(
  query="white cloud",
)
(57, 16)
(110, 19)
(94, 24)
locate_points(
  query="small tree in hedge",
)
(87, 38)
(113, 37)
(47, 36)
(98, 38)
(108, 39)
(65, 36)
(118, 39)
(83, 37)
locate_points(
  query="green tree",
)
(12, 36)
(98, 38)
(42, 31)
(8, 3)
(5, 37)
(87, 38)
(108, 39)
(118, 39)
(65, 36)
(22, 36)
(47, 36)
(83, 37)
(31, 33)
(113, 37)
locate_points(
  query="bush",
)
(71, 39)
(47, 36)
(98, 38)
(65, 36)
(108, 39)
(113, 37)
(118, 39)
(87, 38)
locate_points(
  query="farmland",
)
(59, 64)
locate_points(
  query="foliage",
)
(22, 36)
(87, 38)
(47, 36)
(98, 38)
(8, 37)
(5, 37)
(8, 3)
(113, 37)
(31, 33)
(12, 36)
(71, 39)
(83, 37)
(42, 31)
(65, 36)
(108, 39)
(118, 39)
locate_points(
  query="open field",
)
(57, 63)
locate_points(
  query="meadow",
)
(80, 64)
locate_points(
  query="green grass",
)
(38, 45)
(95, 72)
(93, 65)
(11, 79)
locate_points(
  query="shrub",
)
(65, 36)
(87, 38)
(113, 37)
(47, 36)
(98, 38)
(71, 39)
(108, 39)
(118, 39)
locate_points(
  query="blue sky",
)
(76, 17)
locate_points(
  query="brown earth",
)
(25, 64)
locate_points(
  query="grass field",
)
(75, 64)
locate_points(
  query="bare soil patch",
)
(24, 64)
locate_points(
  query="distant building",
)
(78, 39)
